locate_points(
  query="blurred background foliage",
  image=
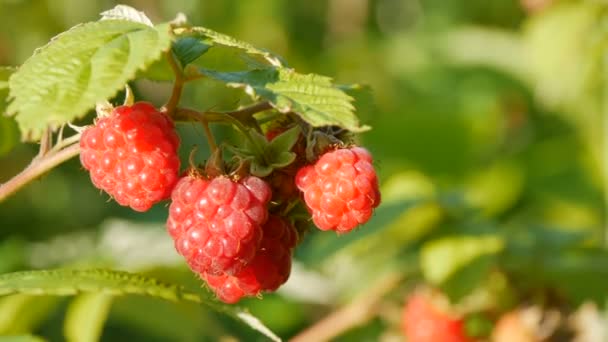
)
(488, 135)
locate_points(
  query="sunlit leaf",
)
(86, 316)
(313, 97)
(80, 67)
(67, 282)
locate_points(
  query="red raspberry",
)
(267, 271)
(423, 322)
(216, 224)
(132, 155)
(340, 189)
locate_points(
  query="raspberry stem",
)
(37, 168)
(178, 85)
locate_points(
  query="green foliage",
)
(466, 258)
(217, 38)
(67, 282)
(188, 49)
(21, 338)
(79, 68)
(312, 97)
(86, 316)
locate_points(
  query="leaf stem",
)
(37, 168)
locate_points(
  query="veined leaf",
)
(226, 40)
(67, 282)
(313, 97)
(80, 67)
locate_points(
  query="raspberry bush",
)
(238, 186)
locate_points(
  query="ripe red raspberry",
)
(216, 223)
(340, 189)
(132, 155)
(267, 271)
(423, 322)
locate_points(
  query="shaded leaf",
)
(313, 97)
(80, 67)
(226, 40)
(67, 282)
(188, 49)
(86, 316)
(21, 313)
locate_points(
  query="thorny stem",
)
(37, 168)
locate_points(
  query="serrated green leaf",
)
(124, 12)
(80, 67)
(313, 97)
(442, 258)
(86, 316)
(188, 49)
(226, 40)
(21, 338)
(67, 282)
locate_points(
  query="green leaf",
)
(188, 49)
(124, 12)
(86, 316)
(22, 313)
(21, 338)
(80, 67)
(442, 258)
(322, 248)
(226, 40)
(313, 97)
(67, 282)
(285, 141)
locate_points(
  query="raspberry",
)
(267, 271)
(423, 322)
(340, 189)
(132, 155)
(216, 223)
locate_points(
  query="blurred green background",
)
(487, 135)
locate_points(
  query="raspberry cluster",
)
(132, 155)
(236, 230)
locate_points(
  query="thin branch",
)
(359, 311)
(37, 168)
(178, 85)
